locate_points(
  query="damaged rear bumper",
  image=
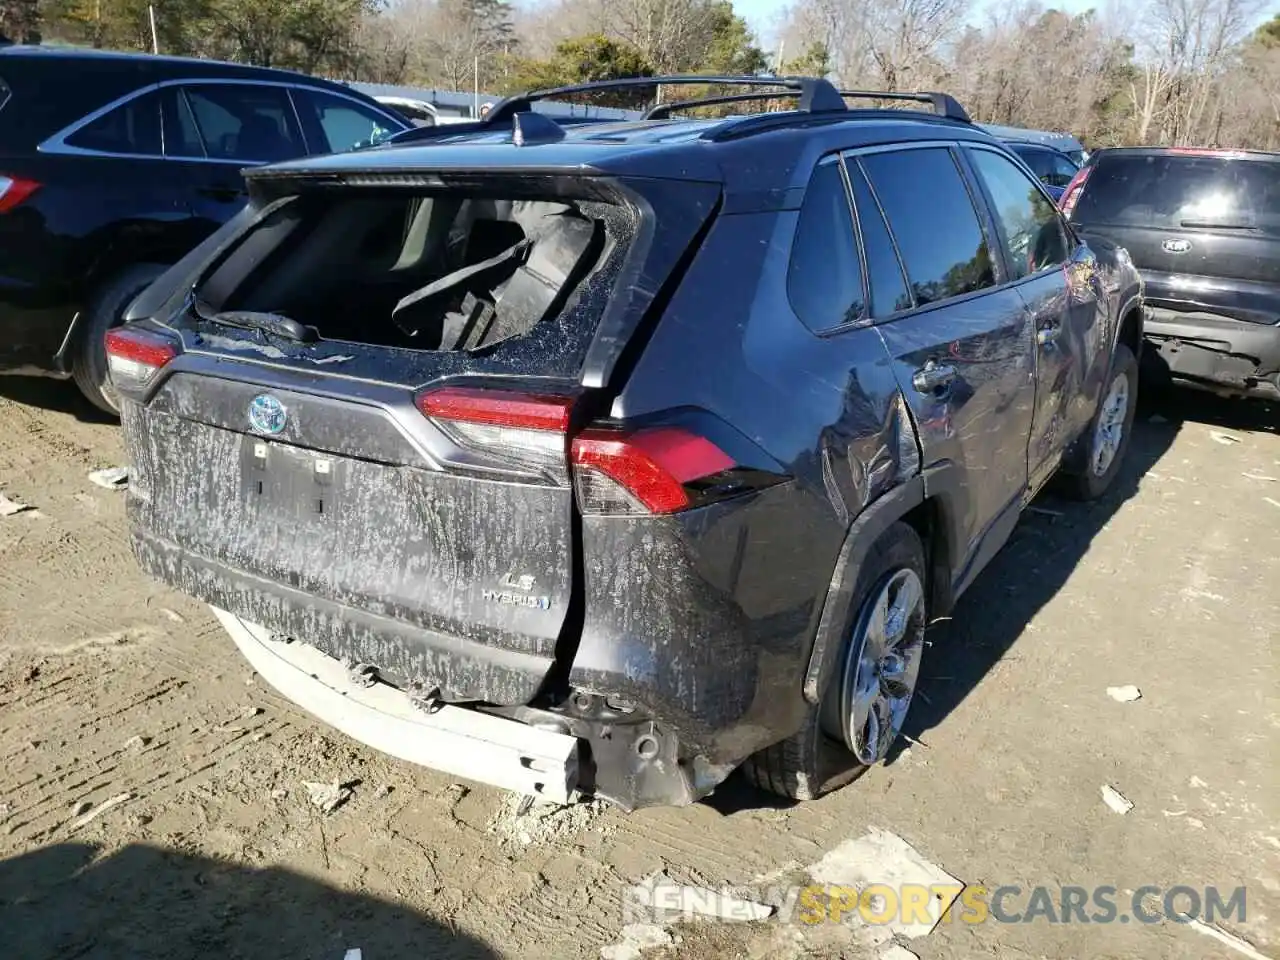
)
(1217, 353)
(454, 740)
(400, 650)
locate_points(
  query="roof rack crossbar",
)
(816, 95)
(943, 104)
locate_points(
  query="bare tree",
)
(1185, 49)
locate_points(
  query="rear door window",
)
(1061, 170)
(335, 124)
(933, 220)
(1032, 234)
(181, 135)
(889, 293)
(131, 129)
(1172, 191)
(824, 281)
(251, 123)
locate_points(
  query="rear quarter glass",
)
(1176, 191)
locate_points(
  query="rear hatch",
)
(1203, 227)
(350, 420)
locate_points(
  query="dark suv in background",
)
(608, 456)
(112, 166)
(1203, 228)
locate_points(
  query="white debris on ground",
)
(519, 821)
(102, 808)
(896, 952)
(634, 939)
(1125, 694)
(326, 797)
(1224, 438)
(1238, 944)
(11, 508)
(1114, 799)
(112, 478)
(881, 857)
(355, 953)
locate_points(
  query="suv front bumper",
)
(1216, 353)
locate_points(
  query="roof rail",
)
(816, 95)
(944, 105)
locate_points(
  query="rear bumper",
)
(1216, 353)
(398, 649)
(454, 740)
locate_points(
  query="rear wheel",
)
(861, 712)
(1101, 452)
(105, 310)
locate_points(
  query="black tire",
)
(1077, 479)
(103, 311)
(810, 763)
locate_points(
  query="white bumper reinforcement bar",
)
(455, 740)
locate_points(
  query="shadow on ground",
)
(60, 396)
(143, 902)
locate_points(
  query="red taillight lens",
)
(14, 190)
(1072, 194)
(647, 471)
(526, 430)
(653, 470)
(134, 357)
(497, 408)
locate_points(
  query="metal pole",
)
(155, 40)
(475, 98)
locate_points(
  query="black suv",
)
(1203, 228)
(605, 456)
(112, 166)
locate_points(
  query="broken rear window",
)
(437, 272)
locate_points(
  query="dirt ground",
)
(113, 688)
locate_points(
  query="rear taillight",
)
(652, 470)
(14, 190)
(134, 357)
(657, 470)
(1071, 195)
(528, 430)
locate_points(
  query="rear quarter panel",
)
(746, 579)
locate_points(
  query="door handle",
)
(932, 377)
(1047, 335)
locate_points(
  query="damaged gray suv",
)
(603, 458)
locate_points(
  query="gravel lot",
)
(113, 687)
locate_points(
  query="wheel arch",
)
(928, 502)
(1129, 329)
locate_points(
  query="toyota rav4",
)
(602, 458)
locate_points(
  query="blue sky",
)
(763, 14)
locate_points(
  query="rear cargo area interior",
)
(442, 272)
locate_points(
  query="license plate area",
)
(284, 481)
